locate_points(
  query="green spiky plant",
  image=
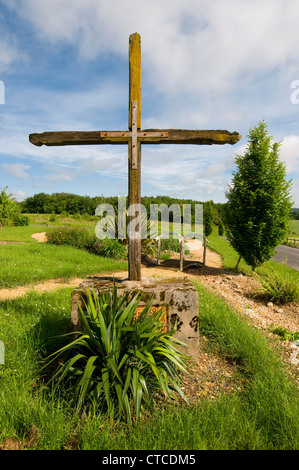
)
(121, 363)
(277, 287)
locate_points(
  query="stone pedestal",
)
(178, 297)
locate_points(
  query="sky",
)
(206, 64)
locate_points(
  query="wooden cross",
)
(134, 137)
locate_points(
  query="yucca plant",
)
(121, 362)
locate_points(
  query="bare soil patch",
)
(40, 237)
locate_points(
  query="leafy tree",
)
(8, 206)
(259, 200)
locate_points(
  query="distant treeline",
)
(295, 214)
(58, 203)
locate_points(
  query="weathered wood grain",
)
(135, 76)
(146, 136)
(134, 151)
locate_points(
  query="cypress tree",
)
(259, 201)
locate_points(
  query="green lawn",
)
(293, 234)
(294, 228)
(23, 264)
(20, 234)
(31, 262)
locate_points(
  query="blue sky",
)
(206, 64)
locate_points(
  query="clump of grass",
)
(286, 334)
(278, 287)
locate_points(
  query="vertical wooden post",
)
(135, 76)
(159, 251)
(204, 252)
(134, 150)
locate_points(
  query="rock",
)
(294, 358)
(295, 353)
(248, 311)
(177, 297)
(270, 304)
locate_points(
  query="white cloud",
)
(289, 153)
(60, 176)
(9, 53)
(19, 195)
(16, 170)
(193, 46)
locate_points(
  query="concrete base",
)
(178, 296)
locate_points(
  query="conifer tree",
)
(259, 200)
(208, 219)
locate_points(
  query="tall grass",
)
(279, 287)
(28, 328)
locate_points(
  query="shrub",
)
(121, 362)
(170, 244)
(110, 248)
(73, 236)
(21, 220)
(279, 288)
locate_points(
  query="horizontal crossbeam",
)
(146, 136)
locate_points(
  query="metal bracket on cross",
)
(134, 141)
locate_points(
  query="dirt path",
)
(40, 237)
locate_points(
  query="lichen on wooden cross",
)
(134, 137)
